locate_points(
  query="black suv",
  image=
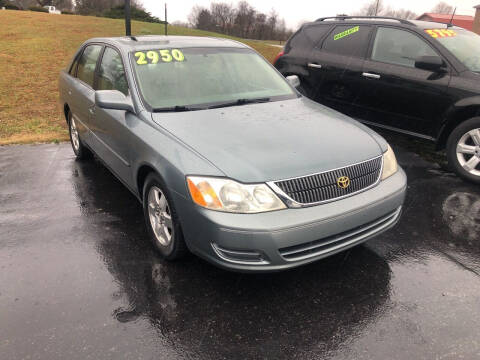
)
(415, 77)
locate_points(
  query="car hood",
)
(273, 141)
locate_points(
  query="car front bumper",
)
(287, 238)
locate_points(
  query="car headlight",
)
(231, 196)
(390, 166)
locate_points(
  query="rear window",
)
(348, 40)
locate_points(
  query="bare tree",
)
(281, 30)
(272, 23)
(442, 8)
(222, 14)
(400, 13)
(372, 8)
(243, 21)
(90, 7)
(378, 8)
(23, 4)
(59, 4)
(194, 15)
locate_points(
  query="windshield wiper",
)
(177, 108)
(240, 102)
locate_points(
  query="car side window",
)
(315, 33)
(73, 68)
(399, 47)
(87, 64)
(348, 40)
(111, 75)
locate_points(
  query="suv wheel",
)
(81, 152)
(161, 219)
(463, 150)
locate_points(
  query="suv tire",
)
(162, 220)
(463, 150)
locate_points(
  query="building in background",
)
(464, 21)
(476, 20)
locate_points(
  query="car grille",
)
(339, 241)
(322, 187)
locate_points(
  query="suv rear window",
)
(348, 40)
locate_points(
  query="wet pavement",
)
(79, 280)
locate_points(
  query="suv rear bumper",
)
(288, 238)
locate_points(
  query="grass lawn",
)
(34, 47)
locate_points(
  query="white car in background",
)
(52, 10)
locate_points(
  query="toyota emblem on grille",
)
(343, 182)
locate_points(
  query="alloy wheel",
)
(468, 151)
(74, 135)
(160, 216)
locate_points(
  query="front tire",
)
(463, 150)
(162, 220)
(80, 151)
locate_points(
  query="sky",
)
(298, 11)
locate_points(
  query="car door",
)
(81, 92)
(397, 93)
(338, 63)
(111, 128)
(302, 56)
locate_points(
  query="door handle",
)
(91, 110)
(313, 65)
(371, 76)
(69, 92)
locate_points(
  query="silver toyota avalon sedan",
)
(229, 161)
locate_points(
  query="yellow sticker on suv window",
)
(156, 56)
(440, 33)
(346, 33)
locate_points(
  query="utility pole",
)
(166, 31)
(128, 23)
(376, 8)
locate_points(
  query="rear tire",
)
(80, 151)
(161, 219)
(463, 150)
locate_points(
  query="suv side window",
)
(315, 33)
(111, 75)
(399, 47)
(348, 40)
(87, 64)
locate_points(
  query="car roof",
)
(146, 42)
(418, 24)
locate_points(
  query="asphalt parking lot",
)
(79, 280)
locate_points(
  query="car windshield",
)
(182, 79)
(464, 44)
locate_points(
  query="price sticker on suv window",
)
(159, 56)
(346, 33)
(440, 33)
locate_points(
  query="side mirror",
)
(114, 100)
(430, 63)
(293, 80)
